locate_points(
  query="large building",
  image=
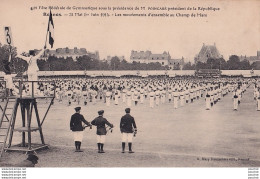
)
(149, 57)
(251, 59)
(163, 58)
(176, 64)
(206, 52)
(73, 53)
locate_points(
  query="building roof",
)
(148, 55)
(140, 55)
(67, 52)
(209, 51)
(173, 61)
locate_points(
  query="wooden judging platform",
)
(26, 103)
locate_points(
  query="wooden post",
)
(23, 121)
(13, 117)
(38, 120)
(32, 89)
(29, 117)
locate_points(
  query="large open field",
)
(189, 136)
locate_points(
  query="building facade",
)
(73, 53)
(206, 52)
(149, 57)
(176, 64)
(251, 59)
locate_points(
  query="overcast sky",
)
(235, 28)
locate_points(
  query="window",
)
(162, 63)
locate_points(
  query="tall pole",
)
(47, 29)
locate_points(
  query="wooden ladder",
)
(6, 119)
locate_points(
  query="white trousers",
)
(208, 103)
(235, 103)
(127, 137)
(129, 101)
(78, 136)
(101, 139)
(151, 102)
(108, 101)
(175, 102)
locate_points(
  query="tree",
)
(255, 66)
(244, 65)
(43, 65)
(103, 65)
(15, 63)
(201, 65)
(223, 64)
(233, 62)
(219, 63)
(84, 62)
(115, 62)
(188, 66)
(124, 65)
(177, 66)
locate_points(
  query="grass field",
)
(189, 136)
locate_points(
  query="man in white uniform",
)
(33, 69)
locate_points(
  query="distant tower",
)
(207, 51)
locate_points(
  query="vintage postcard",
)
(90, 84)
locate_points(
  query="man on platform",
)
(33, 69)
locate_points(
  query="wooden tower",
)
(26, 105)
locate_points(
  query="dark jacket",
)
(127, 124)
(101, 123)
(76, 122)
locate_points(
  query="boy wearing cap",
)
(127, 128)
(77, 128)
(101, 123)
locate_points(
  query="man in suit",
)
(77, 127)
(127, 128)
(101, 123)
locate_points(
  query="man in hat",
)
(77, 127)
(101, 123)
(127, 128)
(31, 161)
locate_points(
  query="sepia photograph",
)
(129, 84)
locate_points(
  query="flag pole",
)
(47, 28)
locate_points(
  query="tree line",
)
(85, 62)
